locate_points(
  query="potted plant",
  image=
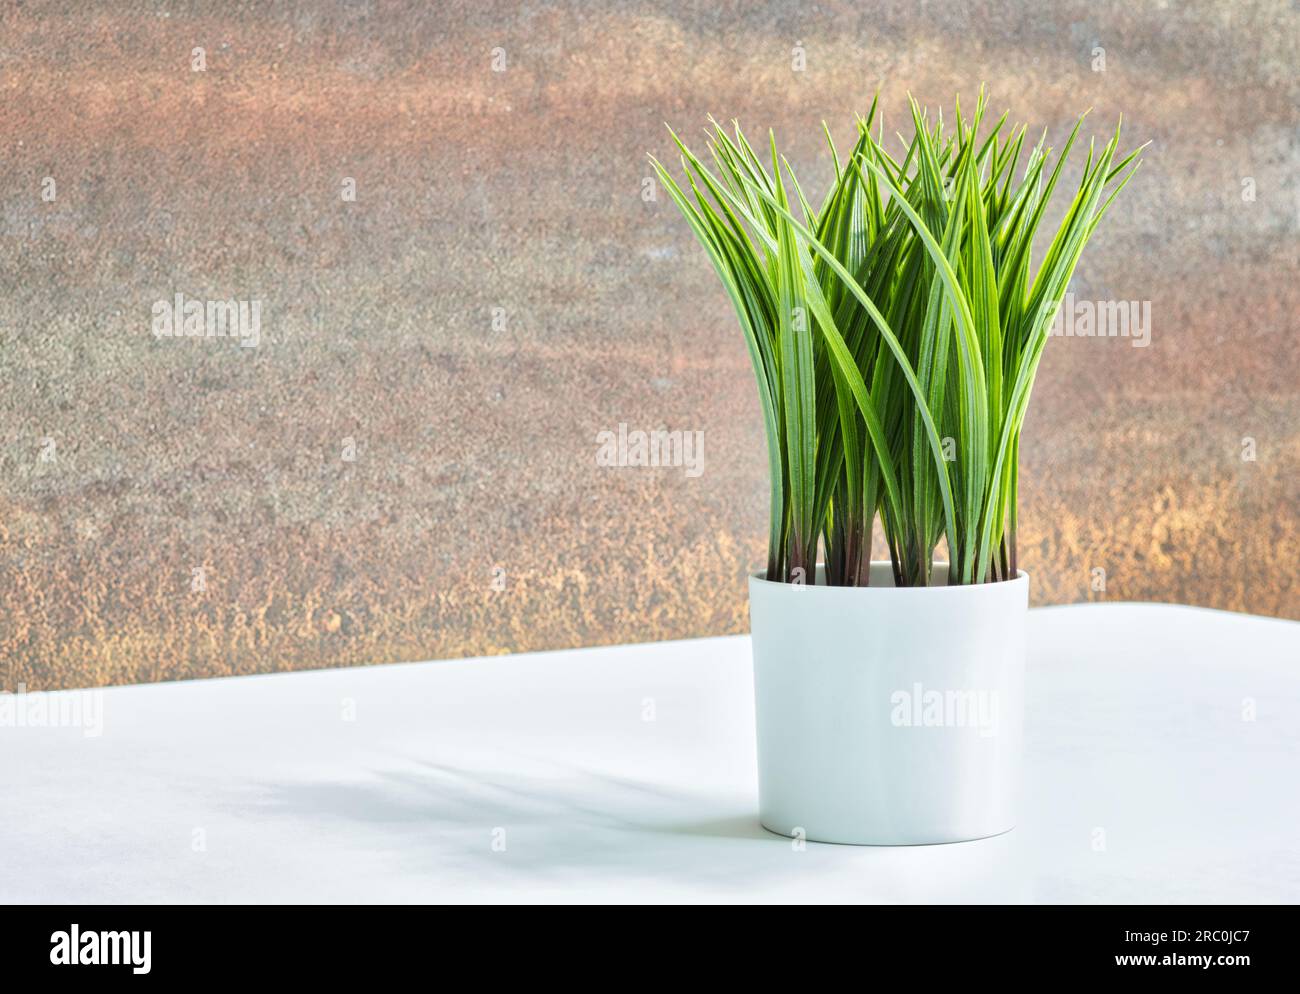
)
(894, 332)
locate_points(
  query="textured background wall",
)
(404, 467)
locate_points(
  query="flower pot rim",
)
(1022, 578)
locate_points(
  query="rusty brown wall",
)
(404, 467)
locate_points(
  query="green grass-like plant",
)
(895, 331)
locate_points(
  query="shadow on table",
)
(562, 821)
(448, 797)
(557, 821)
(739, 827)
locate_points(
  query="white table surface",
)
(1144, 781)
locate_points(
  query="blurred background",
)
(465, 274)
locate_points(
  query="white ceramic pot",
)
(889, 716)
